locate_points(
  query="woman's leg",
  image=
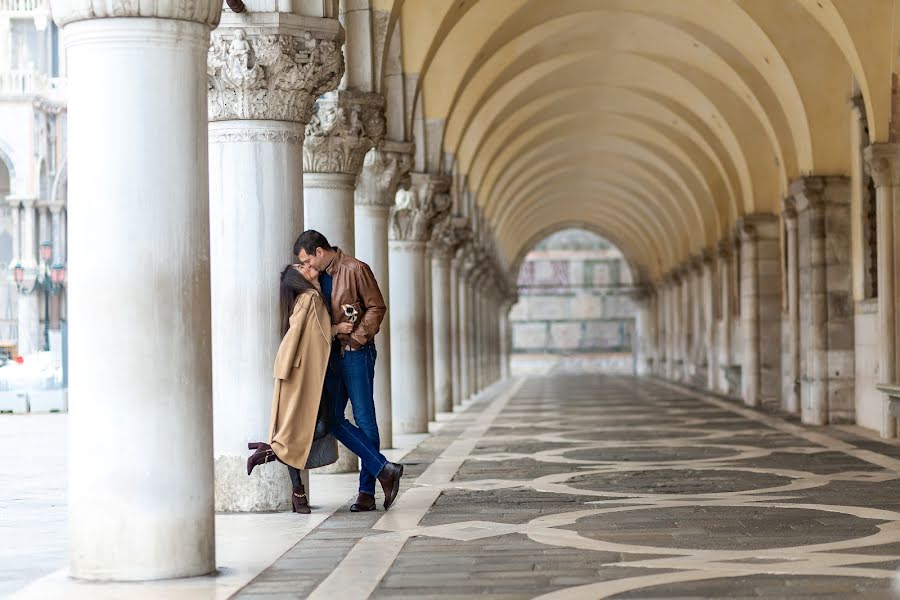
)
(296, 480)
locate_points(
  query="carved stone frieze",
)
(272, 76)
(418, 209)
(345, 125)
(384, 171)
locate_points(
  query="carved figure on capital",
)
(344, 126)
(449, 234)
(269, 76)
(385, 170)
(418, 209)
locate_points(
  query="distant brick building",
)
(574, 296)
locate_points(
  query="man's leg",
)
(346, 433)
(358, 375)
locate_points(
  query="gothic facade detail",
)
(449, 234)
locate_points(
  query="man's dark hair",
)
(309, 240)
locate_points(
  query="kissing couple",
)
(331, 309)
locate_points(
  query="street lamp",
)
(48, 279)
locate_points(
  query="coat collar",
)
(335, 261)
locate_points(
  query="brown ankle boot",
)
(300, 502)
(364, 503)
(390, 482)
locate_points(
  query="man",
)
(351, 292)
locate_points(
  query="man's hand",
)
(345, 328)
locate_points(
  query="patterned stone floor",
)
(577, 485)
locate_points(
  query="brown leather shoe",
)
(364, 503)
(390, 482)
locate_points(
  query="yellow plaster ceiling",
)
(656, 123)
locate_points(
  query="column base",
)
(267, 489)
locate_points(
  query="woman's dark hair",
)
(292, 285)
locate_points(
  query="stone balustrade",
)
(31, 83)
(24, 6)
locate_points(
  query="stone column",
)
(455, 368)
(726, 277)
(384, 171)
(140, 392)
(345, 125)
(412, 220)
(15, 211)
(760, 309)
(449, 233)
(884, 165)
(505, 369)
(256, 211)
(429, 334)
(710, 300)
(465, 265)
(696, 299)
(826, 299)
(791, 377)
(56, 239)
(30, 337)
(471, 326)
(642, 331)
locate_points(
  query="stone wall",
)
(574, 291)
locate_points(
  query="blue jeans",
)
(353, 376)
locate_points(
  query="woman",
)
(299, 377)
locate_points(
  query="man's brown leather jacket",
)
(354, 284)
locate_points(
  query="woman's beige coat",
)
(299, 376)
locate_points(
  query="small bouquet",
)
(351, 312)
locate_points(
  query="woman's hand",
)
(344, 328)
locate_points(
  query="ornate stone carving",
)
(270, 76)
(385, 170)
(255, 135)
(883, 162)
(198, 11)
(449, 234)
(345, 125)
(419, 208)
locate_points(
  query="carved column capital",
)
(345, 125)
(262, 71)
(198, 11)
(384, 171)
(756, 226)
(883, 162)
(815, 192)
(419, 208)
(449, 234)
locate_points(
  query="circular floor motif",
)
(638, 453)
(677, 481)
(732, 528)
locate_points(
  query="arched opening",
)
(575, 302)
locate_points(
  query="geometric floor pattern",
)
(578, 485)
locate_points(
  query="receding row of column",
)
(768, 314)
(207, 182)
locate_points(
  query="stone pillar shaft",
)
(884, 164)
(256, 212)
(416, 213)
(791, 388)
(136, 101)
(760, 309)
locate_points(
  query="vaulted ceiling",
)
(656, 123)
